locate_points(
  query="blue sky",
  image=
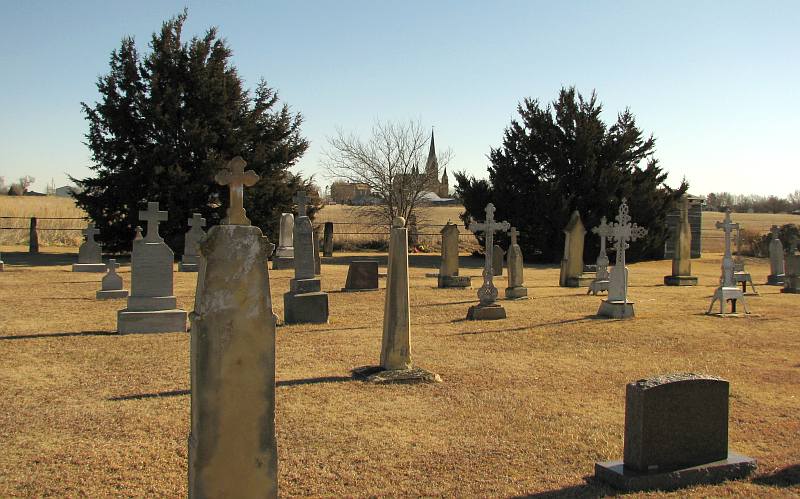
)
(715, 82)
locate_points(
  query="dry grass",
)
(755, 222)
(41, 206)
(527, 404)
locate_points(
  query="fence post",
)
(33, 238)
(327, 243)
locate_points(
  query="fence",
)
(357, 235)
(52, 236)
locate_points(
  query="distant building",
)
(64, 191)
(349, 193)
(439, 187)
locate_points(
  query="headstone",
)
(740, 274)
(676, 435)
(498, 256)
(190, 260)
(89, 254)
(152, 307)
(682, 255)
(601, 280)
(284, 255)
(304, 302)
(413, 231)
(232, 444)
(396, 364)
(487, 308)
(327, 243)
(791, 280)
(449, 268)
(317, 258)
(111, 285)
(727, 291)
(362, 275)
(777, 269)
(516, 289)
(572, 275)
(695, 227)
(617, 306)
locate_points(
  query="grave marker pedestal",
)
(727, 291)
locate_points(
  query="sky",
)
(716, 82)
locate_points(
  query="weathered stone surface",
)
(232, 444)
(601, 280)
(327, 243)
(304, 303)
(777, 269)
(362, 275)
(396, 344)
(498, 256)
(303, 248)
(111, 285)
(491, 312)
(727, 290)
(305, 308)
(616, 309)
(449, 264)
(515, 290)
(487, 293)
(190, 259)
(682, 258)
(454, 281)
(380, 376)
(680, 280)
(286, 237)
(89, 254)
(572, 262)
(317, 258)
(791, 282)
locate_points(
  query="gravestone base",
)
(301, 286)
(724, 295)
(111, 294)
(579, 281)
(617, 475)
(680, 280)
(455, 281)
(791, 284)
(282, 262)
(379, 375)
(187, 267)
(309, 308)
(598, 286)
(616, 309)
(89, 267)
(517, 293)
(491, 312)
(155, 321)
(775, 280)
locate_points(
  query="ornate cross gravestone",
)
(776, 264)
(792, 275)
(727, 290)
(284, 255)
(682, 255)
(623, 231)
(304, 302)
(111, 286)
(601, 279)
(488, 308)
(236, 179)
(740, 274)
(515, 290)
(189, 262)
(89, 257)
(232, 444)
(448, 270)
(676, 435)
(151, 304)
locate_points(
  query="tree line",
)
(743, 203)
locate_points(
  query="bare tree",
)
(794, 200)
(391, 162)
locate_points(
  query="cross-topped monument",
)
(302, 203)
(236, 178)
(514, 233)
(90, 232)
(487, 293)
(727, 227)
(197, 220)
(601, 280)
(153, 217)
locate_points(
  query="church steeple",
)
(432, 165)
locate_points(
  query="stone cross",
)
(622, 232)
(604, 231)
(236, 179)
(153, 217)
(302, 203)
(727, 227)
(513, 233)
(487, 293)
(197, 220)
(90, 232)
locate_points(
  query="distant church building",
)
(439, 187)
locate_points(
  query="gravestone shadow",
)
(58, 335)
(39, 259)
(786, 477)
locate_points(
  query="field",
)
(527, 405)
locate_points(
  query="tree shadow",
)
(58, 335)
(786, 477)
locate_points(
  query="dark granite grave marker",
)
(362, 275)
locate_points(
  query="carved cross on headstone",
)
(197, 220)
(623, 232)
(302, 203)
(236, 179)
(90, 232)
(604, 230)
(487, 293)
(727, 227)
(513, 233)
(153, 217)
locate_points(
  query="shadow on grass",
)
(591, 488)
(443, 304)
(588, 318)
(39, 259)
(58, 335)
(786, 477)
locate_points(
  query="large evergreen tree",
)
(165, 124)
(562, 157)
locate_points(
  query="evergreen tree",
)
(167, 122)
(561, 158)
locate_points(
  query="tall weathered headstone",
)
(791, 280)
(284, 255)
(617, 306)
(777, 269)
(111, 285)
(449, 268)
(327, 240)
(317, 258)
(152, 307)
(232, 445)
(304, 302)
(487, 308)
(516, 289)
(498, 257)
(676, 435)
(89, 254)
(572, 275)
(682, 257)
(727, 291)
(601, 279)
(396, 363)
(190, 260)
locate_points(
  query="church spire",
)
(432, 165)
